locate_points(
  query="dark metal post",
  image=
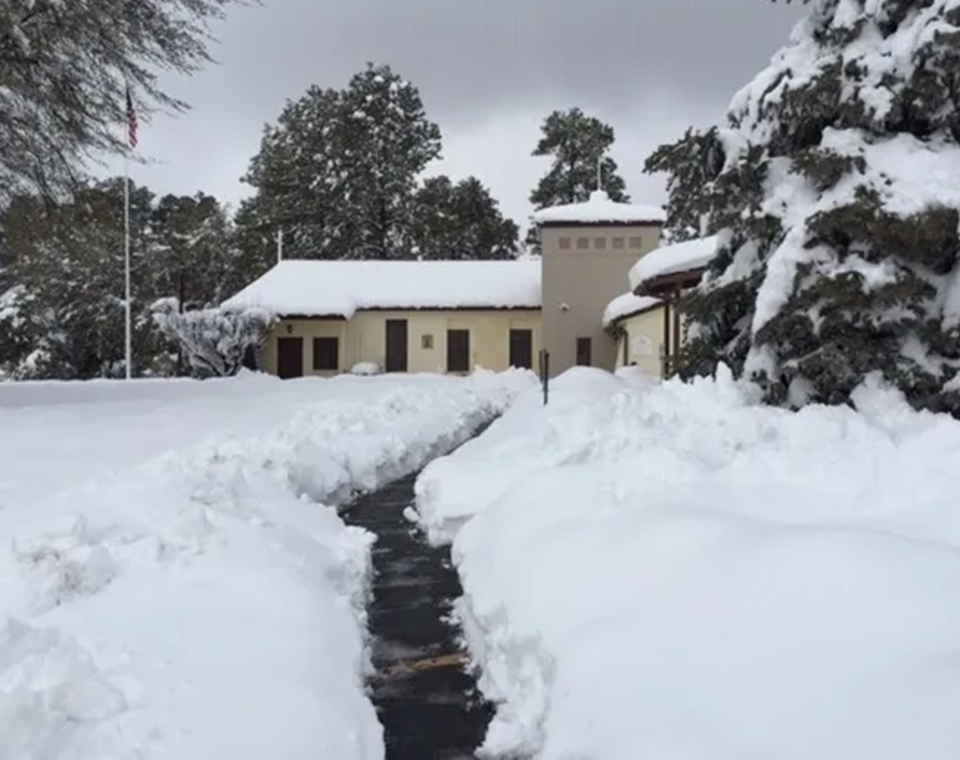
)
(545, 374)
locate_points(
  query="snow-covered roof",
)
(672, 259)
(598, 210)
(339, 288)
(626, 305)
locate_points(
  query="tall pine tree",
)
(835, 186)
(68, 296)
(385, 141)
(460, 222)
(298, 177)
(61, 290)
(196, 260)
(577, 143)
(338, 171)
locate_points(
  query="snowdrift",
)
(672, 571)
(205, 603)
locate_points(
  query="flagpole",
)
(128, 321)
(128, 310)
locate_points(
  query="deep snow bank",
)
(673, 572)
(528, 439)
(202, 604)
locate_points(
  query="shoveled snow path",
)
(202, 604)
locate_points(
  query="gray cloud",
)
(488, 72)
(473, 56)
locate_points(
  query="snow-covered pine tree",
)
(338, 172)
(256, 241)
(384, 141)
(836, 184)
(576, 143)
(298, 177)
(195, 257)
(64, 67)
(67, 263)
(693, 163)
(460, 221)
(196, 263)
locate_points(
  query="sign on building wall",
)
(642, 346)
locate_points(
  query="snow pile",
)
(366, 368)
(599, 209)
(340, 288)
(202, 603)
(626, 305)
(670, 571)
(529, 438)
(687, 256)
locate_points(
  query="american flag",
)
(131, 121)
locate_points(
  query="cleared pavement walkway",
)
(428, 705)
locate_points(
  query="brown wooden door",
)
(396, 359)
(458, 350)
(289, 358)
(584, 352)
(521, 349)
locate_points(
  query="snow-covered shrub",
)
(366, 368)
(215, 341)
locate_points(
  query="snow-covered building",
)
(636, 324)
(588, 250)
(646, 321)
(456, 316)
(403, 316)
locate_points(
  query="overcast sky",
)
(489, 71)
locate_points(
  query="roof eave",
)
(666, 285)
(341, 317)
(317, 317)
(616, 223)
(615, 323)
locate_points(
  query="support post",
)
(545, 374)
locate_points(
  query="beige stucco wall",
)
(308, 329)
(579, 283)
(363, 337)
(642, 342)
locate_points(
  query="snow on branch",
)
(215, 341)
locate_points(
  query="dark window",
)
(458, 350)
(289, 357)
(326, 354)
(584, 358)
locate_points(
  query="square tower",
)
(588, 249)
